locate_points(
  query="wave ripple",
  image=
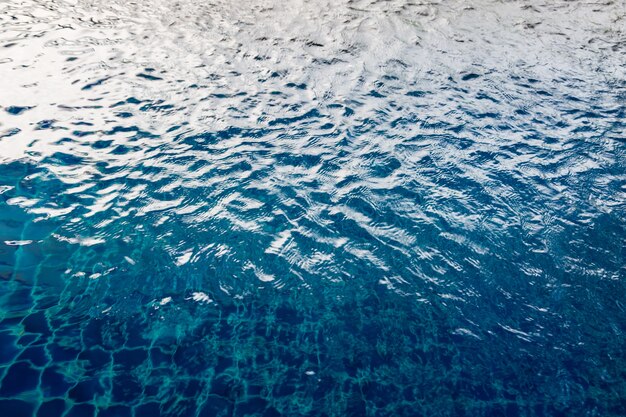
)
(324, 208)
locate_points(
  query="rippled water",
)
(321, 208)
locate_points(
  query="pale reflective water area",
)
(312, 208)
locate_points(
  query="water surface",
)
(312, 208)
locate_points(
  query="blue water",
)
(312, 208)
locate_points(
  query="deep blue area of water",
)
(321, 208)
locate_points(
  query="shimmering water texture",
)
(312, 208)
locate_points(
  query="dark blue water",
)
(320, 208)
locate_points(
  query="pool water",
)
(312, 208)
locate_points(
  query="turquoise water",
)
(324, 208)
